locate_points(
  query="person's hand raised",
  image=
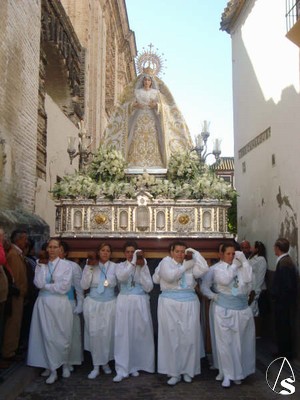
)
(92, 258)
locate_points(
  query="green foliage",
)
(232, 215)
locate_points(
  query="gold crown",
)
(149, 62)
(148, 71)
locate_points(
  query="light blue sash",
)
(70, 294)
(239, 302)
(179, 295)
(107, 295)
(45, 292)
(128, 289)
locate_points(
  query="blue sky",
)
(198, 54)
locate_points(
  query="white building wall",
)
(266, 94)
(59, 127)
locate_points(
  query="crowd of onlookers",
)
(17, 293)
(45, 302)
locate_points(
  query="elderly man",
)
(284, 292)
(15, 260)
(246, 248)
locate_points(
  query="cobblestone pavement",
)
(149, 387)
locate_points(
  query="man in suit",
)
(15, 260)
(284, 292)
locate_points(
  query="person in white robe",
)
(178, 313)
(99, 309)
(234, 323)
(134, 341)
(52, 319)
(259, 266)
(76, 297)
(209, 290)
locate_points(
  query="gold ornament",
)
(183, 219)
(100, 219)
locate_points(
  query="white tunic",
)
(52, 318)
(259, 269)
(179, 333)
(99, 316)
(134, 343)
(76, 351)
(234, 329)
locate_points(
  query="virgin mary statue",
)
(146, 125)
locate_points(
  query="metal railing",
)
(292, 13)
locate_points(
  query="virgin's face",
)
(53, 249)
(178, 253)
(228, 255)
(129, 251)
(104, 254)
(147, 83)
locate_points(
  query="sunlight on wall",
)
(274, 58)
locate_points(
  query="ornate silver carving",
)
(143, 216)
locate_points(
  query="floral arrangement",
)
(75, 186)
(186, 178)
(108, 165)
(183, 166)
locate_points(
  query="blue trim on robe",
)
(71, 294)
(128, 289)
(107, 295)
(179, 295)
(239, 302)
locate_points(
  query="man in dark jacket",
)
(284, 292)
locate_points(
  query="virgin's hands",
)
(138, 105)
(152, 104)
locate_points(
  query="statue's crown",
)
(149, 62)
(148, 71)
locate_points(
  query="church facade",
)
(60, 61)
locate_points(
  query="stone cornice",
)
(231, 14)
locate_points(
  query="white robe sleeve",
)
(87, 277)
(40, 275)
(225, 276)
(124, 270)
(170, 272)
(62, 281)
(245, 272)
(155, 276)
(200, 266)
(259, 271)
(206, 284)
(77, 274)
(145, 278)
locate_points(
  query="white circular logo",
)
(280, 376)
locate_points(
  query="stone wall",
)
(20, 24)
(103, 30)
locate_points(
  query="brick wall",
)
(20, 26)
